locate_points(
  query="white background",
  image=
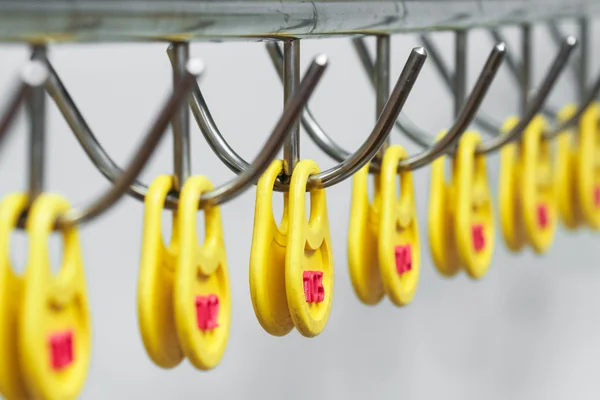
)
(528, 330)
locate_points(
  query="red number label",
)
(478, 236)
(542, 214)
(403, 259)
(314, 292)
(61, 350)
(207, 312)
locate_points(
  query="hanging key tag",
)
(399, 244)
(511, 219)
(12, 384)
(440, 219)
(202, 295)
(309, 261)
(363, 262)
(565, 175)
(156, 279)
(538, 200)
(588, 167)
(267, 258)
(55, 328)
(474, 224)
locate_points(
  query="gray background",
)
(528, 330)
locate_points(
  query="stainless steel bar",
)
(382, 81)
(525, 76)
(181, 120)
(584, 52)
(36, 107)
(291, 80)
(169, 20)
(460, 73)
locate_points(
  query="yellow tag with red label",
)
(12, 384)
(309, 260)
(440, 219)
(155, 283)
(267, 258)
(511, 219)
(54, 328)
(202, 297)
(474, 223)
(399, 244)
(566, 173)
(363, 261)
(538, 199)
(588, 166)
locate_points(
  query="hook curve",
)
(347, 165)
(433, 149)
(126, 182)
(557, 66)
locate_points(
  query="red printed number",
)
(207, 312)
(314, 292)
(597, 196)
(61, 350)
(478, 236)
(403, 259)
(542, 214)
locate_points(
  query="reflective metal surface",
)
(117, 20)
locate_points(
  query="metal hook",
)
(36, 108)
(112, 172)
(534, 105)
(181, 120)
(347, 166)
(32, 75)
(143, 153)
(433, 149)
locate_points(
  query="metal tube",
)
(584, 51)
(460, 73)
(382, 81)
(36, 107)
(525, 81)
(181, 120)
(291, 80)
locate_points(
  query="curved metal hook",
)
(122, 182)
(434, 149)
(219, 195)
(33, 74)
(349, 164)
(557, 66)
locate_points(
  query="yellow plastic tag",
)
(538, 200)
(399, 244)
(267, 258)
(202, 297)
(155, 282)
(566, 173)
(440, 220)
(54, 329)
(363, 262)
(588, 184)
(474, 223)
(308, 262)
(12, 384)
(511, 220)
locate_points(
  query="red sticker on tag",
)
(207, 312)
(403, 259)
(478, 236)
(61, 350)
(597, 196)
(314, 292)
(542, 214)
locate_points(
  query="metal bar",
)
(143, 20)
(291, 80)
(525, 78)
(382, 81)
(36, 107)
(584, 51)
(181, 120)
(460, 73)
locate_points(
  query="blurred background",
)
(527, 330)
